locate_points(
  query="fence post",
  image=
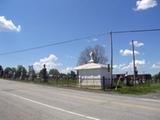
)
(103, 83)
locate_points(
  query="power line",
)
(52, 44)
(131, 31)
(73, 40)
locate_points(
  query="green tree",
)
(156, 77)
(7, 69)
(8, 72)
(72, 75)
(43, 74)
(14, 69)
(54, 72)
(21, 71)
(1, 71)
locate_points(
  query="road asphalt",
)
(24, 101)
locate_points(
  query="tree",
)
(99, 55)
(21, 72)
(54, 72)
(72, 75)
(8, 72)
(14, 69)
(1, 71)
(43, 74)
(31, 73)
(156, 77)
(14, 72)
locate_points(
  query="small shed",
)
(93, 74)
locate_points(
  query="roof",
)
(90, 66)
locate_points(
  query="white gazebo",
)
(93, 74)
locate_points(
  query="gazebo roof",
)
(90, 66)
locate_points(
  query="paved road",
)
(23, 101)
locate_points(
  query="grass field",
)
(139, 89)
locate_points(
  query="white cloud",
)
(157, 65)
(124, 66)
(145, 4)
(137, 63)
(127, 52)
(8, 25)
(137, 44)
(120, 66)
(67, 70)
(50, 62)
(140, 62)
(115, 66)
(129, 66)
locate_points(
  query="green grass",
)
(139, 89)
(62, 82)
(132, 90)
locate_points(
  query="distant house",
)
(93, 74)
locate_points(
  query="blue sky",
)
(39, 22)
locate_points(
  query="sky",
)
(31, 23)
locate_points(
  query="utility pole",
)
(111, 59)
(134, 67)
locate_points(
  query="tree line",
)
(156, 77)
(21, 73)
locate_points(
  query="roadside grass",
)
(62, 82)
(139, 89)
(72, 84)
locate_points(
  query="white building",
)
(93, 74)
